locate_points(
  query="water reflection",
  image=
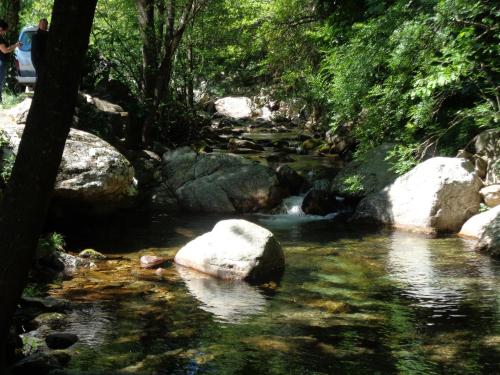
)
(410, 262)
(90, 323)
(229, 301)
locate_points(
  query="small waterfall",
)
(293, 205)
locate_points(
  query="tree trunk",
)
(158, 70)
(11, 9)
(33, 177)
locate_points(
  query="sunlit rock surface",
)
(438, 195)
(491, 195)
(93, 175)
(234, 107)
(477, 224)
(234, 249)
(489, 239)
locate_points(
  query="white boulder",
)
(476, 225)
(438, 195)
(235, 249)
(92, 176)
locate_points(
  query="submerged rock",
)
(38, 363)
(93, 176)
(235, 249)
(438, 195)
(218, 182)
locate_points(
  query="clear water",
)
(350, 302)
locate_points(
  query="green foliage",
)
(415, 73)
(34, 290)
(353, 184)
(6, 161)
(404, 158)
(30, 344)
(50, 243)
(483, 208)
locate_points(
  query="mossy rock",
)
(367, 175)
(310, 144)
(91, 254)
(324, 148)
(53, 320)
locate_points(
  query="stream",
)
(350, 301)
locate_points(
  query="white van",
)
(25, 71)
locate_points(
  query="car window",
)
(25, 39)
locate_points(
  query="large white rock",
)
(237, 107)
(235, 249)
(476, 225)
(438, 195)
(92, 173)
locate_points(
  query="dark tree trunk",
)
(33, 177)
(159, 51)
(146, 14)
(11, 9)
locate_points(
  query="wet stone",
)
(151, 261)
(60, 340)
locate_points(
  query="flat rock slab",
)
(235, 249)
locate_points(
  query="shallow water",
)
(349, 302)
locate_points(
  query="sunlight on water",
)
(410, 262)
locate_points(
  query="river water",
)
(350, 302)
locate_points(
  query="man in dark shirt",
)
(5, 50)
(38, 45)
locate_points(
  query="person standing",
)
(39, 44)
(5, 51)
